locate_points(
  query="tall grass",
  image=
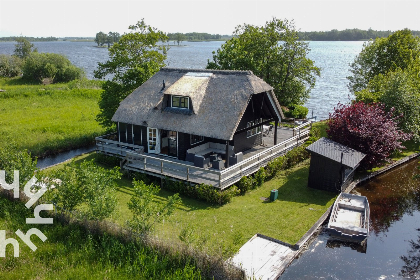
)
(75, 251)
(47, 119)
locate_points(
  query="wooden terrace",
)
(164, 166)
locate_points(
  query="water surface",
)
(392, 250)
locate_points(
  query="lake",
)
(332, 57)
(392, 250)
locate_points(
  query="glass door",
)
(173, 147)
(153, 140)
(169, 143)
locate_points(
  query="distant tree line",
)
(30, 39)
(110, 38)
(346, 35)
(195, 36)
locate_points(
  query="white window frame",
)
(254, 131)
(180, 96)
(201, 139)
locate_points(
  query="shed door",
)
(153, 140)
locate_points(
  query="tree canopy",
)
(387, 71)
(368, 129)
(273, 53)
(110, 38)
(398, 90)
(382, 55)
(23, 48)
(132, 60)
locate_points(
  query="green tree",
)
(132, 60)
(382, 55)
(23, 48)
(10, 66)
(398, 90)
(273, 53)
(88, 186)
(179, 37)
(101, 38)
(146, 211)
(12, 158)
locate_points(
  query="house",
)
(200, 126)
(332, 165)
(179, 109)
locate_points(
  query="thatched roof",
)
(219, 99)
(333, 150)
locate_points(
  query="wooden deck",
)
(263, 257)
(163, 166)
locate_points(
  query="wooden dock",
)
(263, 257)
(162, 166)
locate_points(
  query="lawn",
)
(71, 251)
(47, 119)
(224, 229)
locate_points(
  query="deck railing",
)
(156, 165)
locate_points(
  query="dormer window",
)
(182, 102)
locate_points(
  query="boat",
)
(349, 220)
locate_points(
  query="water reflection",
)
(393, 247)
(391, 196)
(411, 269)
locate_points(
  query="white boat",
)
(349, 220)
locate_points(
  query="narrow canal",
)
(392, 250)
(52, 160)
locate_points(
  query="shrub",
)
(295, 156)
(10, 66)
(12, 158)
(300, 112)
(87, 185)
(55, 67)
(245, 184)
(147, 212)
(368, 129)
(260, 177)
(203, 192)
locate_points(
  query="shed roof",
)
(219, 99)
(333, 150)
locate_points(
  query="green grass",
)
(71, 251)
(222, 230)
(46, 119)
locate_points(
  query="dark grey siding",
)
(183, 145)
(130, 133)
(122, 131)
(243, 143)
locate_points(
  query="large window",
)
(253, 131)
(180, 102)
(196, 139)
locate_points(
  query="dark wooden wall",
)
(324, 174)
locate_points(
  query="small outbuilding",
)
(332, 165)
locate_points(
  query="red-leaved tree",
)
(368, 129)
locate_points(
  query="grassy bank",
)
(47, 119)
(71, 251)
(222, 230)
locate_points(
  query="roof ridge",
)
(214, 71)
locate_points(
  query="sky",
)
(85, 18)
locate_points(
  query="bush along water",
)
(214, 196)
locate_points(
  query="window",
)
(180, 102)
(196, 139)
(253, 131)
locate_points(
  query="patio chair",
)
(236, 158)
(201, 161)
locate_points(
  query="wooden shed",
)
(332, 165)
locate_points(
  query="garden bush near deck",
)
(47, 119)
